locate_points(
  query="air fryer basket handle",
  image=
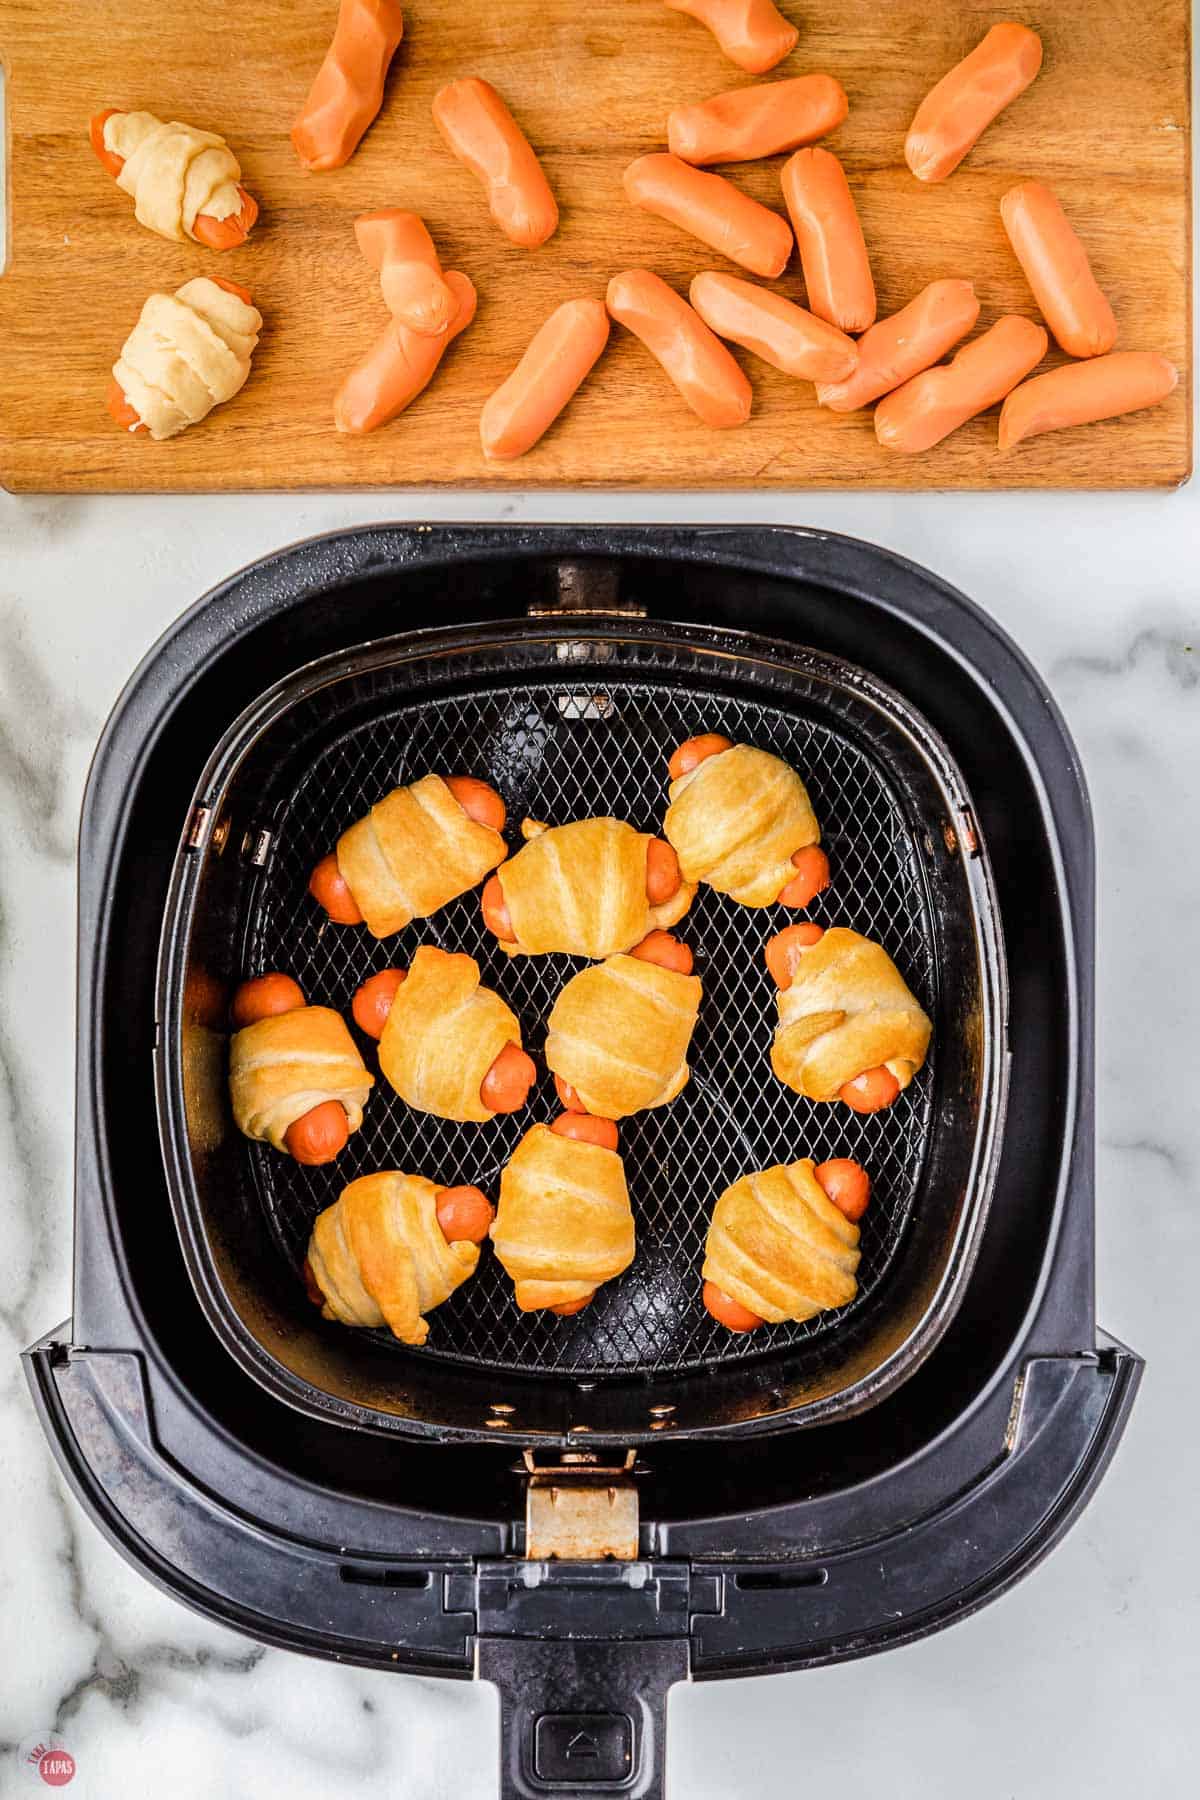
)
(582, 1718)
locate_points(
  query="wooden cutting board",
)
(1106, 124)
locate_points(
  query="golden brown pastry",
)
(295, 1076)
(388, 1251)
(591, 888)
(420, 847)
(741, 820)
(778, 1248)
(188, 352)
(443, 1036)
(564, 1223)
(849, 1028)
(618, 1034)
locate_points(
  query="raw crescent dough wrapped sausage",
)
(188, 352)
(175, 173)
(779, 1246)
(735, 821)
(580, 889)
(564, 1222)
(443, 1034)
(413, 853)
(282, 1066)
(379, 1257)
(847, 1010)
(619, 1035)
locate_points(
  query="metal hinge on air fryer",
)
(587, 588)
(581, 1510)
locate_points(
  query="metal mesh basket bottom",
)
(561, 749)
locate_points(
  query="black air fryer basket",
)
(899, 1461)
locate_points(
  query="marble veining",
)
(1083, 1679)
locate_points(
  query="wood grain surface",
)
(1106, 124)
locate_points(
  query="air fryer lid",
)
(569, 719)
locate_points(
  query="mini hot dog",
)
(618, 1034)
(398, 367)
(415, 292)
(710, 208)
(783, 1243)
(752, 33)
(696, 362)
(954, 115)
(769, 326)
(1083, 392)
(185, 183)
(556, 363)
(920, 414)
(592, 888)
(849, 1028)
(391, 1248)
(1058, 271)
(418, 848)
(448, 1045)
(283, 1053)
(752, 122)
(347, 92)
(833, 252)
(899, 347)
(741, 820)
(564, 1223)
(479, 130)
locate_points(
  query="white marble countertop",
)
(1084, 1679)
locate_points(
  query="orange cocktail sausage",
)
(954, 115)
(345, 98)
(757, 121)
(901, 346)
(557, 361)
(711, 209)
(920, 414)
(752, 33)
(478, 128)
(398, 245)
(1083, 392)
(769, 326)
(833, 252)
(1058, 271)
(398, 367)
(703, 371)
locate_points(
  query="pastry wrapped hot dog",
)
(783, 1243)
(591, 888)
(393, 1247)
(564, 1224)
(296, 1079)
(741, 821)
(188, 352)
(617, 1038)
(849, 1028)
(185, 183)
(447, 1045)
(416, 850)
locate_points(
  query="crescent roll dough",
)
(779, 1245)
(173, 172)
(580, 889)
(415, 851)
(735, 821)
(443, 1034)
(379, 1257)
(848, 1009)
(281, 1067)
(564, 1223)
(619, 1035)
(188, 352)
